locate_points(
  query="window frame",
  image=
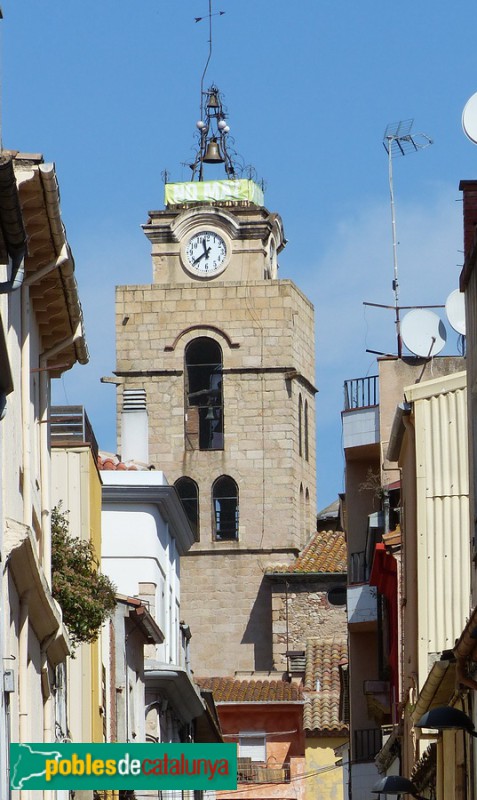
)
(259, 735)
(216, 513)
(203, 395)
(194, 522)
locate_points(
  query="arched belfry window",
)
(204, 413)
(225, 504)
(300, 425)
(301, 509)
(188, 492)
(307, 452)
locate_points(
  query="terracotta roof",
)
(232, 690)
(107, 461)
(323, 685)
(54, 292)
(325, 553)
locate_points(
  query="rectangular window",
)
(253, 745)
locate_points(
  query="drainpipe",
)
(186, 635)
(45, 449)
(25, 405)
(48, 733)
(18, 281)
(23, 688)
(386, 506)
(25, 358)
(18, 273)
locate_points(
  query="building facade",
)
(225, 354)
(145, 533)
(42, 336)
(373, 514)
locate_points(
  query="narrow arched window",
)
(300, 425)
(204, 413)
(307, 512)
(188, 492)
(301, 509)
(225, 504)
(305, 427)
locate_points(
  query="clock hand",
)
(196, 260)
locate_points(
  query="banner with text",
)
(213, 191)
(123, 766)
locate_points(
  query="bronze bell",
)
(212, 101)
(213, 154)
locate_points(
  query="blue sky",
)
(109, 91)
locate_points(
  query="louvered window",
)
(253, 745)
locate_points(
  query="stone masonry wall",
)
(309, 614)
(228, 605)
(265, 331)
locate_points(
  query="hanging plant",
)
(86, 597)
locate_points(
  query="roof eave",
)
(48, 247)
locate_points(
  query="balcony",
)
(367, 744)
(361, 393)
(362, 605)
(360, 417)
(69, 425)
(249, 771)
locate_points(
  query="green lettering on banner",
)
(213, 191)
(73, 767)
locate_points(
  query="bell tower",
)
(224, 351)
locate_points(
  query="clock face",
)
(206, 253)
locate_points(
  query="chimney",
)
(134, 427)
(469, 189)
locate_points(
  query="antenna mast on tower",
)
(398, 141)
(212, 126)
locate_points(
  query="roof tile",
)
(325, 553)
(323, 685)
(232, 690)
(111, 462)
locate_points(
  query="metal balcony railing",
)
(367, 743)
(70, 424)
(361, 393)
(249, 771)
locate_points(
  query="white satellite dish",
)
(423, 333)
(455, 310)
(469, 118)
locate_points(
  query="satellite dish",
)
(469, 118)
(423, 333)
(455, 310)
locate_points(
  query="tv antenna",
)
(398, 140)
(200, 19)
(214, 144)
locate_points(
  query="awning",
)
(437, 690)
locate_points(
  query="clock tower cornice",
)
(244, 223)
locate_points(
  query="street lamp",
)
(446, 718)
(396, 784)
